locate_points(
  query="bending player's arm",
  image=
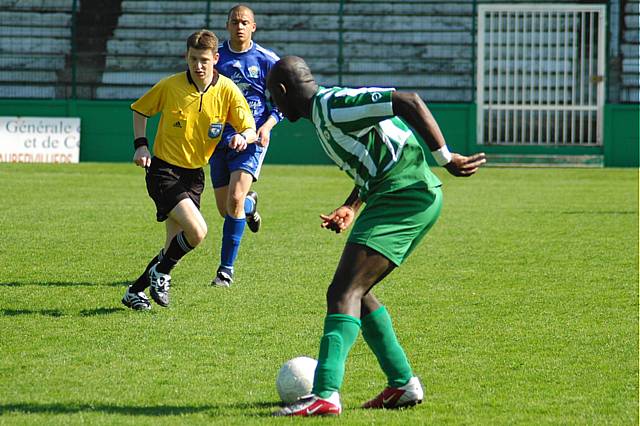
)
(240, 140)
(241, 119)
(142, 156)
(342, 217)
(410, 107)
(264, 132)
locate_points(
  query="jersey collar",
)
(216, 76)
(241, 51)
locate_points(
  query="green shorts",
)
(394, 223)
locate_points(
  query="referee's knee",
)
(196, 235)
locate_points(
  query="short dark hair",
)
(203, 39)
(240, 6)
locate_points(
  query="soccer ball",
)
(295, 378)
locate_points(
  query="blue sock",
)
(232, 231)
(248, 205)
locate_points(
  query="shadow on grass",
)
(43, 312)
(63, 284)
(165, 410)
(595, 212)
(58, 312)
(99, 311)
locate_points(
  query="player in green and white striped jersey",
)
(366, 133)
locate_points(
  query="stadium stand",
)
(35, 42)
(426, 45)
(95, 23)
(124, 46)
(630, 49)
(148, 44)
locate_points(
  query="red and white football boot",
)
(404, 396)
(313, 406)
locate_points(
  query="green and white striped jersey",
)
(359, 132)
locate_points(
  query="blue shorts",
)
(225, 161)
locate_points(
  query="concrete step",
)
(541, 160)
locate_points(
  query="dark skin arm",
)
(340, 219)
(410, 107)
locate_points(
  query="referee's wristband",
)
(141, 141)
(442, 155)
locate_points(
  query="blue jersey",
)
(249, 70)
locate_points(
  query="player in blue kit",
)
(232, 173)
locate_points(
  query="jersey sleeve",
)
(360, 108)
(239, 114)
(151, 102)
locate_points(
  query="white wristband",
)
(442, 155)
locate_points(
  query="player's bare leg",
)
(190, 234)
(186, 217)
(235, 219)
(241, 199)
(186, 229)
(221, 199)
(239, 185)
(360, 268)
(230, 199)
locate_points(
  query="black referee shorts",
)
(167, 185)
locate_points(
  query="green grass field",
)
(520, 307)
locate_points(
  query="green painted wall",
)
(107, 132)
(297, 142)
(621, 135)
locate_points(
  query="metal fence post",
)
(474, 40)
(74, 48)
(207, 20)
(340, 41)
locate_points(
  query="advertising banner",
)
(39, 140)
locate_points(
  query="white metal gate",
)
(540, 74)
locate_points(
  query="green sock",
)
(340, 332)
(377, 331)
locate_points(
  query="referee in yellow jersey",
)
(195, 105)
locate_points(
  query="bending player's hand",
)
(461, 165)
(264, 136)
(142, 157)
(238, 142)
(339, 219)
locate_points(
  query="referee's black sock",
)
(178, 247)
(143, 280)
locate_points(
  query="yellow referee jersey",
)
(191, 122)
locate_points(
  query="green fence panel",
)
(622, 135)
(107, 132)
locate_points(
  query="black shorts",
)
(167, 185)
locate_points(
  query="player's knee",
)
(339, 294)
(236, 198)
(196, 235)
(201, 233)
(235, 206)
(221, 206)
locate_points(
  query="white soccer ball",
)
(295, 378)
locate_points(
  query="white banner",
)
(39, 140)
